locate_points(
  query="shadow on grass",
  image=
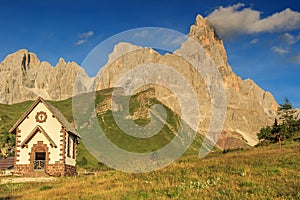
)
(8, 197)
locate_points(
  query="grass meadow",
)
(264, 172)
(256, 173)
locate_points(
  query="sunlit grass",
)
(257, 173)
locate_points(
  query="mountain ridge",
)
(24, 77)
(249, 107)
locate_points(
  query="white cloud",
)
(80, 42)
(254, 41)
(288, 38)
(282, 21)
(279, 50)
(236, 19)
(84, 37)
(295, 59)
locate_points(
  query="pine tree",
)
(286, 113)
(286, 128)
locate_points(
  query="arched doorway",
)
(39, 161)
(39, 157)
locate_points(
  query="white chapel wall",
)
(52, 127)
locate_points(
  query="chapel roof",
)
(59, 116)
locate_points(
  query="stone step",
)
(37, 174)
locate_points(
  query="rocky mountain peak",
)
(61, 61)
(21, 58)
(249, 107)
(119, 50)
(24, 77)
(205, 34)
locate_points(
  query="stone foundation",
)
(70, 170)
(50, 169)
(55, 169)
(22, 169)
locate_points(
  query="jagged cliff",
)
(24, 77)
(249, 107)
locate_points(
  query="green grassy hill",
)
(139, 106)
(264, 172)
(9, 114)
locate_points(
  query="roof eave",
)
(39, 99)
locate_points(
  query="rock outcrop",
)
(24, 77)
(249, 107)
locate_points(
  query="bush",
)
(83, 161)
(45, 187)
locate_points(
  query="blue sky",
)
(262, 38)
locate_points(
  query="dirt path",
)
(26, 179)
